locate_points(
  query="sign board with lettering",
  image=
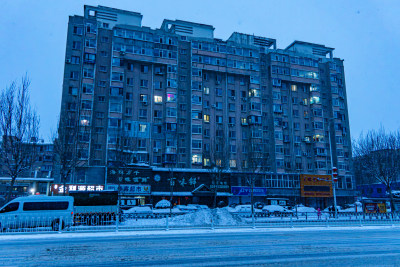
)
(59, 188)
(131, 189)
(313, 185)
(162, 181)
(246, 191)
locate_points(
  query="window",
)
(196, 159)
(102, 98)
(100, 115)
(91, 43)
(73, 90)
(144, 68)
(78, 30)
(87, 88)
(116, 91)
(218, 105)
(231, 107)
(196, 129)
(171, 97)
(196, 144)
(206, 118)
(144, 83)
(129, 81)
(143, 113)
(128, 111)
(157, 99)
(116, 107)
(196, 114)
(143, 99)
(232, 163)
(218, 119)
(86, 104)
(171, 112)
(157, 114)
(10, 207)
(76, 45)
(142, 128)
(218, 92)
(196, 100)
(74, 75)
(59, 205)
(117, 76)
(102, 83)
(206, 90)
(158, 85)
(75, 60)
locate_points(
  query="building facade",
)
(178, 98)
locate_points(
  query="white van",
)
(37, 211)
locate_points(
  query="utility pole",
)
(332, 174)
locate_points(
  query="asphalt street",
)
(356, 247)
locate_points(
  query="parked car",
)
(38, 211)
(276, 210)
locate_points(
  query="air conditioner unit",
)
(144, 103)
(68, 60)
(233, 98)
(213, 106)
(305, 154)
(156, 149)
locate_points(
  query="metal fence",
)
(210, 219)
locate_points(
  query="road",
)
(356, 247)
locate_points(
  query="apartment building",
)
(178, 99)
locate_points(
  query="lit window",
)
(170, 97)
(196, 159)
(206, 90)
(294, 88)
(206, 162)
(157, 99)
(206, 118)
(254, 93)
(232, 163)
(314, 100)
(142, 128)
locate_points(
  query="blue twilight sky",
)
(365, 33)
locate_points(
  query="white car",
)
(38, 211)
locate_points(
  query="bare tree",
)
(257, 162)
(65, 147)
(377, 157)
(19, 126)
(219, 156)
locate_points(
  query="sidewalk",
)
(188, 232)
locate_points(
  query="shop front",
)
(180, 186)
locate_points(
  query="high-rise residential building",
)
(177, 99)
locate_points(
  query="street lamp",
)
(334, 174)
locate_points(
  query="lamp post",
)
(334, 177)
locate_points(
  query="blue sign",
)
(246, 191)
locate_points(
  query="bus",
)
(94, 208)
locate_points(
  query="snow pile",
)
(163, 204)
(305, 209)
(174, 210)
(220, 216)
(146, 210)
(274, 208)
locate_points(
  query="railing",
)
(202, 219)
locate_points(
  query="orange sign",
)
(313, 185)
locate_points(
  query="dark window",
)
(59, 205)
(10, 207)
(95, 199)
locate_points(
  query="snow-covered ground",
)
(351, 246)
